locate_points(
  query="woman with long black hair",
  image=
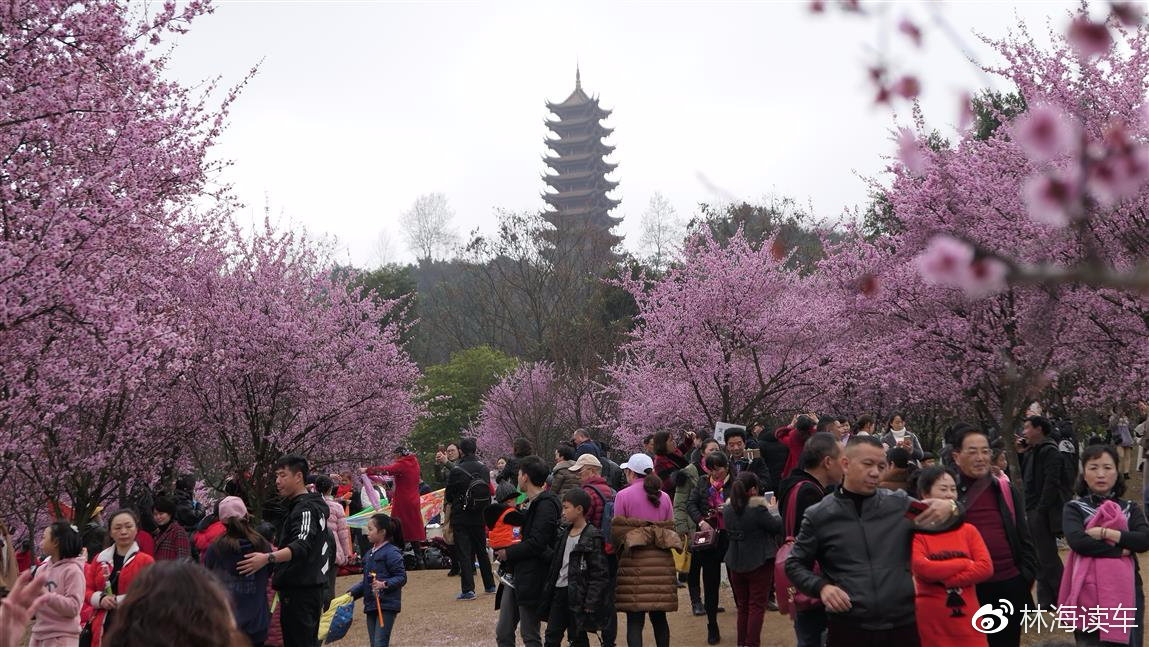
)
(705, 508)
(751, 523)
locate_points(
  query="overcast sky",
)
(359, 107)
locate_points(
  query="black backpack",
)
(1070, 453)
(477, 495)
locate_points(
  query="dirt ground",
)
(432, 617)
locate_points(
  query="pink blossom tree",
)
(290, 360)
(544, 404)
(1083, 138)
(103, 184)
(729, 335)
(1008, 276)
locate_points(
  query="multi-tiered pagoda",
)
(579, 205)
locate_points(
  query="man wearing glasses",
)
(1002, 524)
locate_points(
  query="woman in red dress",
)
(946, 565)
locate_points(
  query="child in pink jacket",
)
(58, 614)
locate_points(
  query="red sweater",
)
(983, 513)
(954, 559)
(207, 537)
(146, 543)
(795, 442)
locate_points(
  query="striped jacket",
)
(304, 530)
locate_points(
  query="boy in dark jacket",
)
(529, 559)
(301, 564)
(577, 587)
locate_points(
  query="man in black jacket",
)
(529, 559)
(861, 537)
(1003, 527)
(301, 565)
(740, 462)
(467, 504)
(1045, 497)
(774, 452)
(819, 471)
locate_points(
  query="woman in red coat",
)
(405, 504)
(794, 437)
(946, 565)
(111, 574)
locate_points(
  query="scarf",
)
(1081, 582)
(715, 500)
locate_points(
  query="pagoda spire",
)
(578, 186)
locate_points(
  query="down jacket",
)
(563, 480)
(647, 580)
(686, 480)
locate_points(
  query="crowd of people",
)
(164, 572)
(857, 533)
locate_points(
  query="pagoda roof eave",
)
(552, 160)
(575, 177)
(578, 110)
(601, 150)
(603, 203)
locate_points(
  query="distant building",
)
(578, 186)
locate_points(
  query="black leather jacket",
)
(868, 557)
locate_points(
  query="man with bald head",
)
(861, 537)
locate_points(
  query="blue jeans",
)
(380, 636)
(810, 627)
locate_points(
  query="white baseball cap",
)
(638, 463)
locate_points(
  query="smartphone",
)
(753, 453)
(916, 508)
